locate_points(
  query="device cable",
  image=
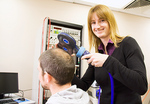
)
(112, 90)
(41, 53)
(49, 30)
(146, 94)
(48, 41)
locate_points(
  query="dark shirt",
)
(126, 65)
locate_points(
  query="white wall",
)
(20, 21)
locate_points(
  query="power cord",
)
(22, 93)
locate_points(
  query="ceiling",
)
(136, 7)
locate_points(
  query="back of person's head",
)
(105, 13)
(59, 64)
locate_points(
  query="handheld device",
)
(68, 43)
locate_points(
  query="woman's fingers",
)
(86, 56)
(96, 59)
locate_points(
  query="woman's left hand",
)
(96, 59)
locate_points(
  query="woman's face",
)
(100, 27)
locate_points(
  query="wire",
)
(112, 90)
(49, 23)
(48, 41)
(41, 53)
(19, 92)
(146, 94)
(22, 93)
(99, 95)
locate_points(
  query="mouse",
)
(21, 99)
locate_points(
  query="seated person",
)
(56, 71)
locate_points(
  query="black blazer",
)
(126, 65)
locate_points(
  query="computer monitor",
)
(8, 83)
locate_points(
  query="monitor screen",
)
(8, 82)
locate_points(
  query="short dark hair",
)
(58, 64)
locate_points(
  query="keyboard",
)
(8, 101)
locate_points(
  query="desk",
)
(27, 101)
(15, 97)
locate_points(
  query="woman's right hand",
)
(96, 59)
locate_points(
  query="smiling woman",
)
(101, 18)
(118, 64)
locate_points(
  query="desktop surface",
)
(17, 99)
(8, 101)
(26, 101)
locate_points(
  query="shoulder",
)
(52, 100)
(129, 46)
(129, 42)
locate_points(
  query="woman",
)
(118, 64)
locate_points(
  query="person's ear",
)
(47, 77)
